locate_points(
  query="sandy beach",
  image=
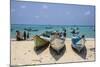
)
(22, 53)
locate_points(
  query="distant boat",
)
(48, 27)
(47, 34)
(35, 30)
(29, 29)
(78, 43)
(40, 42)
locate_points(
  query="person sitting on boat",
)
(73, 32)
(64, 34)
(83, 39)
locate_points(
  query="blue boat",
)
(78, 43)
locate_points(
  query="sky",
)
(51, 14)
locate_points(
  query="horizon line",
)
(58, 24)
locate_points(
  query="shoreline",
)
(14, 39)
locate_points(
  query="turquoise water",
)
(88, 31)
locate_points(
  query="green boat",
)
(40, 42)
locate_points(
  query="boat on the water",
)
(35, 30)
(29, 29)
(46, 34)
(40, 42)
(57, 43)
(48, 27)
(78, 43)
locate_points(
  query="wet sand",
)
(23, 53)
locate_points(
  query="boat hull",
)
(78, 43)
(40, 42)
(78, 48)
(57, 45)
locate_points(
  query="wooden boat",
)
(35, 30)
(57, 44)
(46, 34)
(48, 27)
(40, 42)
(78, 43)
(30, 30)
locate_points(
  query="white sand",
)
(22, 53)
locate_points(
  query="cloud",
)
(87, 13)
(37, 17)
(23, 6)
(45, 6)
(67, 13)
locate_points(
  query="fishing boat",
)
(29, 29)
(46, 34)
(48, 27)
(35, 30)
(78, 43)
(40, 42)
(57, 44)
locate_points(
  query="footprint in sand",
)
(29, 50)
(25, 53)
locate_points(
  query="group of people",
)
(23, 36)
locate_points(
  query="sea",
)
(87, 30)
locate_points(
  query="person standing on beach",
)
(83, 39)
(61, 34)
(18, 38)
(64, 34)
(24, 35)
(28, 35)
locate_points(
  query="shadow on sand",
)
(82, 53)
(55, 55)
(40, 49)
